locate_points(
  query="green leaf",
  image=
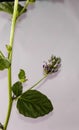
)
(34, 104)
(4, 62)
(17, 88)
(22, 75)
(8, 7)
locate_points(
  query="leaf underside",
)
(34, 104)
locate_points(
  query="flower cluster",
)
(52, 66)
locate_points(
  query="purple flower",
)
(52, 66)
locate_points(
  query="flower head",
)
(52, 66)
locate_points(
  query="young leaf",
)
(4, 62)
(9, 48)
(22, 76)
(17, 88)
(34, 104)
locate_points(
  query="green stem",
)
(26, 5)
(10, 101)
(33, 85)
(38, 82)
(13, 27)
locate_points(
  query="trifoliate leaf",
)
(34, 104)
(17, 88)
(4, 62)
(22, 75)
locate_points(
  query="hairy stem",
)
(10, 101)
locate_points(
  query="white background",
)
(48, 27)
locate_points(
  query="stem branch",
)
(26, 4)
(38, 82)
